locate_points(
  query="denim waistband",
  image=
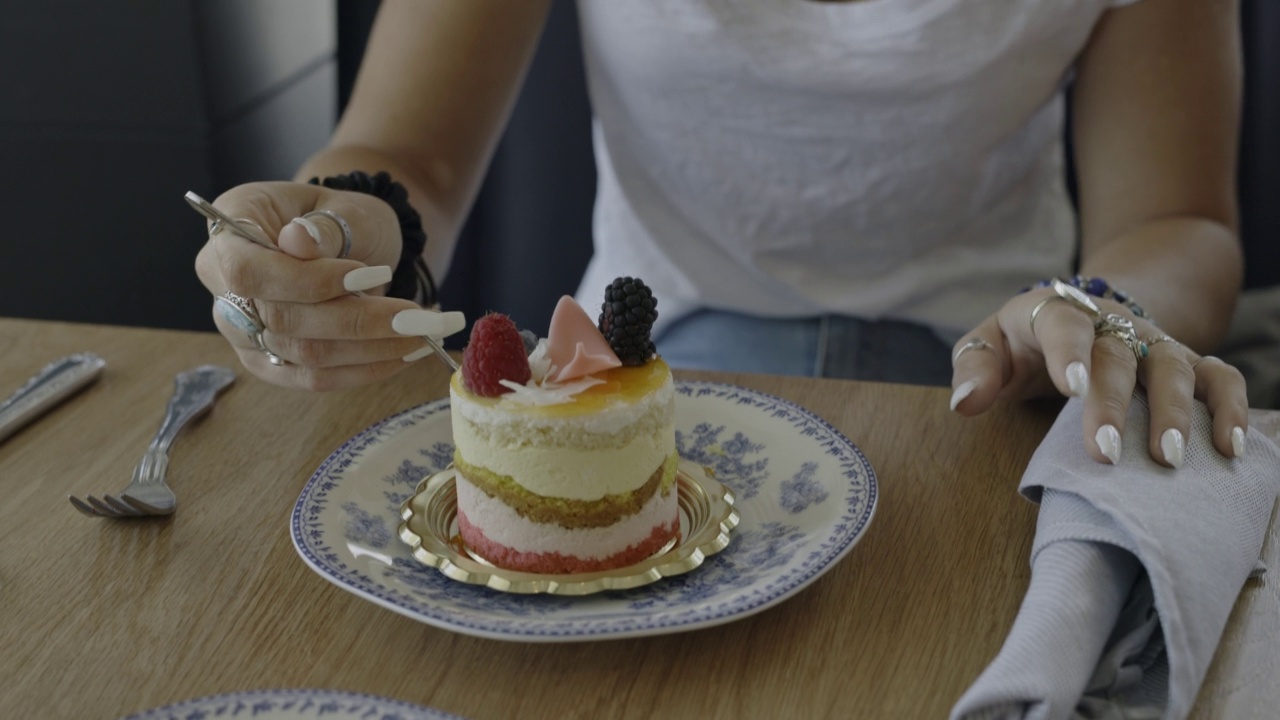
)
(827, 346)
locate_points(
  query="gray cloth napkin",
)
(1134, 571)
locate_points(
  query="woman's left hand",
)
(1012, 355)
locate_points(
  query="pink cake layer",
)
(498, 533)
(555, 563)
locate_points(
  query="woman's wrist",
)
(411, 279)
(441, 218)
(1098, 287)
(1185, 271)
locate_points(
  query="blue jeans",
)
(827, 346)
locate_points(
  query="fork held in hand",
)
(147, 494)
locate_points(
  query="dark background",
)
(111, 110)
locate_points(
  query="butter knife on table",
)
(56, 382)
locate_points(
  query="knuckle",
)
(308, 352)
(239, 275)
(1222, 379)
(1229, 374)
(305, 378)
(361, 322)
(303, 352)
(317, 380)
(242, 194)
(1177, 404)
(248, 199)
(315, 287)
(1114, 350)
(374, 226)
(1113, 407)
(280, 318)
(206, 265)
(1066, 318)
(1178, 373)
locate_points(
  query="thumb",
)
(304, 239)
(344, 225)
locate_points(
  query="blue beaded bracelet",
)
(1099, 287)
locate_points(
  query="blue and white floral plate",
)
(294, 704)
(805, 494)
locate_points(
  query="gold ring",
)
(973, 344)
(1153, 340)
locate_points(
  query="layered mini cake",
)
(571, 466)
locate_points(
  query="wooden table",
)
(99, 618)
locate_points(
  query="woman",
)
(812, 187)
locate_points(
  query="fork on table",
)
(148, 494)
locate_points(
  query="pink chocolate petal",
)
(575, 344)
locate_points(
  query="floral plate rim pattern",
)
(324, 702)
(805, 494)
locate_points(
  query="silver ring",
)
(974, 344)
(1077, 297)
(342, 225)
(1035, 311)
(272, 358)
(1070, 295)
(240, 312)
(1121, 328)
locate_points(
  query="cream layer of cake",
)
(608, 441)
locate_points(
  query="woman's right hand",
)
(327, 337)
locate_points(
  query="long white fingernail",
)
(962, 392)
(1237, 441)
(310, 227)
(367, 278)
(1171, 444)
(1078, 379)
(418, 354)
(1108, 439)
(428, 322)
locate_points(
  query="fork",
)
(147, 494)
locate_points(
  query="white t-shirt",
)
(881, 159)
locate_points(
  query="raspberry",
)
(495, 352)
(626, 317)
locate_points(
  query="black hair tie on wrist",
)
(411, 279)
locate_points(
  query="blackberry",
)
(626, 317)
(530, 340)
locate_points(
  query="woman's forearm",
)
(1185, 271)
(1157, 107)
(435, 88)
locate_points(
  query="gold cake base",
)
(429, 527)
